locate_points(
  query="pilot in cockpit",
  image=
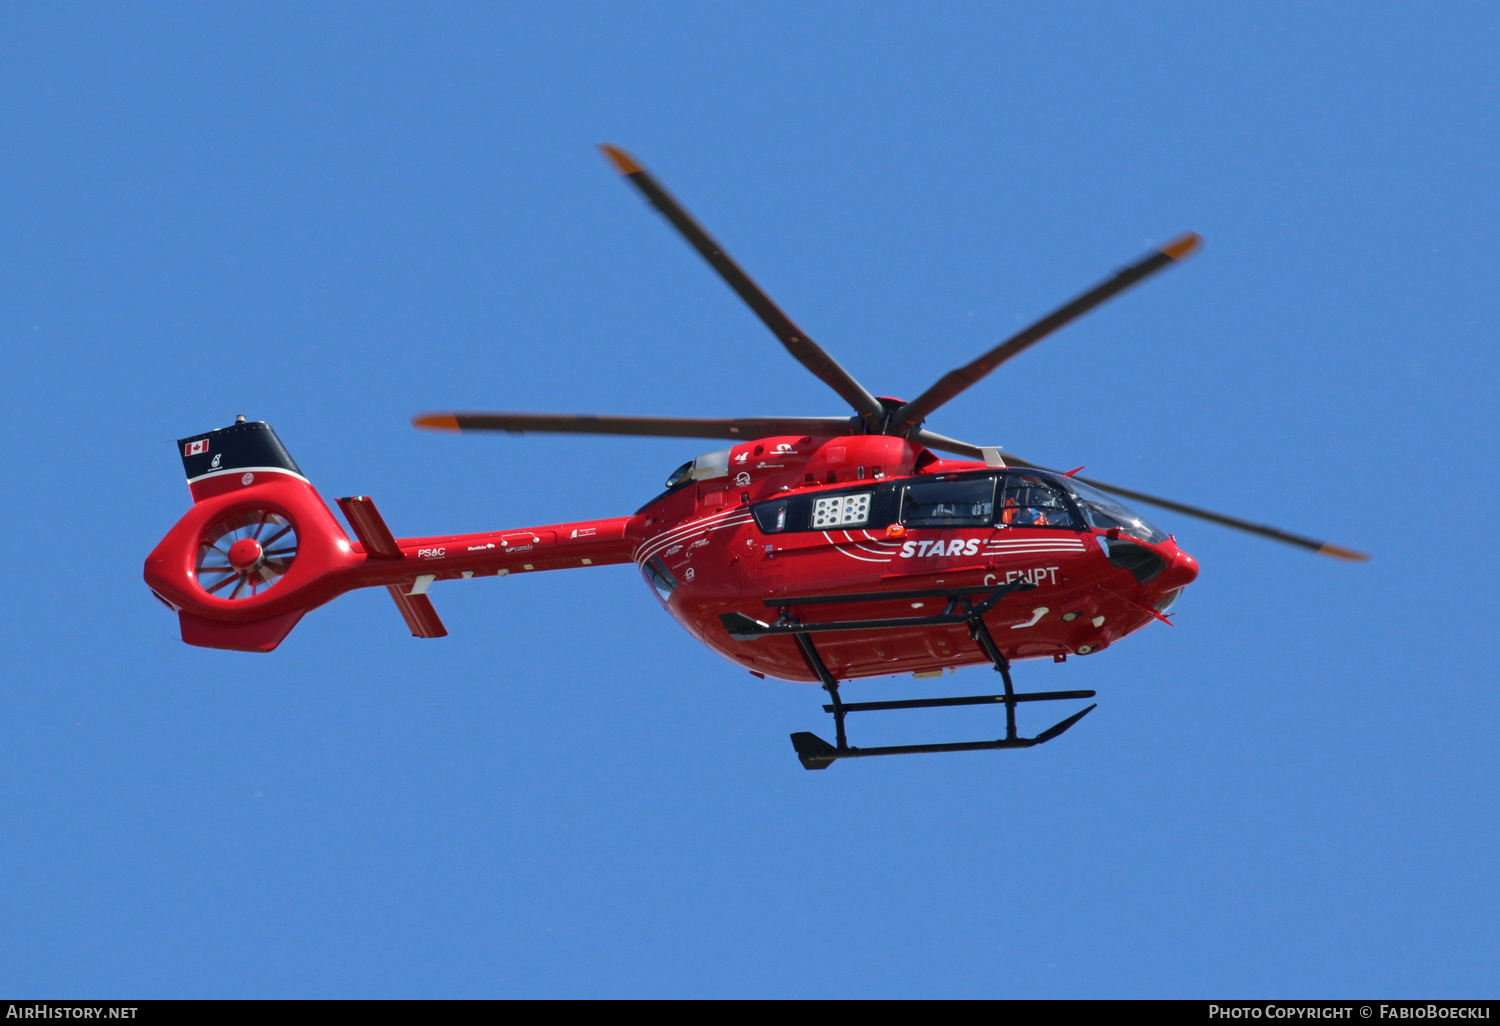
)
(1013, 514)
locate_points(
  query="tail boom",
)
(500, 553)
(329, 563)
(259, 547)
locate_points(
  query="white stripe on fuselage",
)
(248, 470)
(718, 521)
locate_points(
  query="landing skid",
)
(964, 605)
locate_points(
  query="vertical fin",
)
(233, 457)
(256, 636)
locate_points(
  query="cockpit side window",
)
(1030, 500)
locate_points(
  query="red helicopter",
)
(817, 549)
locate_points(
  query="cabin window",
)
(968, 502)
(770, 517)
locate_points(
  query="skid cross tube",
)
(959, 609)
(815, 753)
(940, 703)
(889, 596)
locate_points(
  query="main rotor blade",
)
(956, 381)
(1322, 548)
(739, 428)
(933, 440)
(807, 352)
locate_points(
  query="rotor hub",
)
(246, 554)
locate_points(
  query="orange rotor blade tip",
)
(1340, 553)
(1182, 245)
(436, 421)
(623, 162)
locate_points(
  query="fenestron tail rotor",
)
(244, 554)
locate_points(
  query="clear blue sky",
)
(334, 216)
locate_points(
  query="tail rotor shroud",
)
(246, 553)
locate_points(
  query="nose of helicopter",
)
(1180, 572)
(1167, 586)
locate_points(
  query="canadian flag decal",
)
(194, 448)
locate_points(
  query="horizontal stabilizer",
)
(419, 613)
(369, 527)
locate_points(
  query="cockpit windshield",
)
(709, 465)
(1105, 512)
